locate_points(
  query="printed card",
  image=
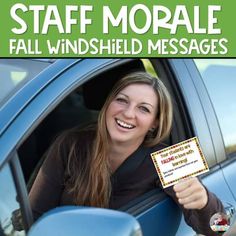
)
(179, 161)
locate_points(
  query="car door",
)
(219, 77)
(206, 127)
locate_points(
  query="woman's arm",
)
(46, 191)
(197, 203)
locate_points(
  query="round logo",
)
(219, 222)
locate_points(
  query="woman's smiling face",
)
(131, 114)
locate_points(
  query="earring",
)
(151, 130)
(151, 133)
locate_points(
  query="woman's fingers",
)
(191, 193)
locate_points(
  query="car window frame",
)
(158, 195)
(21, 190)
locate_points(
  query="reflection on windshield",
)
(15, 73)
(10, 77)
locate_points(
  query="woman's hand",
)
(191, 193)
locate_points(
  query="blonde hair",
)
(96, 180)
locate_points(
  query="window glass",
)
(220, 79)
(8, 203)
(14, 73)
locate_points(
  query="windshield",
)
(14, 73)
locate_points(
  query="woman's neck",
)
(118, 153)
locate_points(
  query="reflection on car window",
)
(14, 73)
(220, 79)
(8, 203)
(149, 67)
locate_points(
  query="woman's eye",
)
(121, 100)
(144, 109)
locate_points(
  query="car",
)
(39, 98)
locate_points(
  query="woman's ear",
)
(155, 124)
(153, 130)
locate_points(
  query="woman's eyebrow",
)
(146, 103)
(143, 103)
(123, 94)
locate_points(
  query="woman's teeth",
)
(124, 125)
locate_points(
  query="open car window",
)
(80, 108)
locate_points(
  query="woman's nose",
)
(129, 112)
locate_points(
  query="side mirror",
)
(85, 221)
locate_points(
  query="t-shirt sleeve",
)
(199, 220)
(47, 188)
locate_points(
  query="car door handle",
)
(229, 209)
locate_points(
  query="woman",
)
(109, 165)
